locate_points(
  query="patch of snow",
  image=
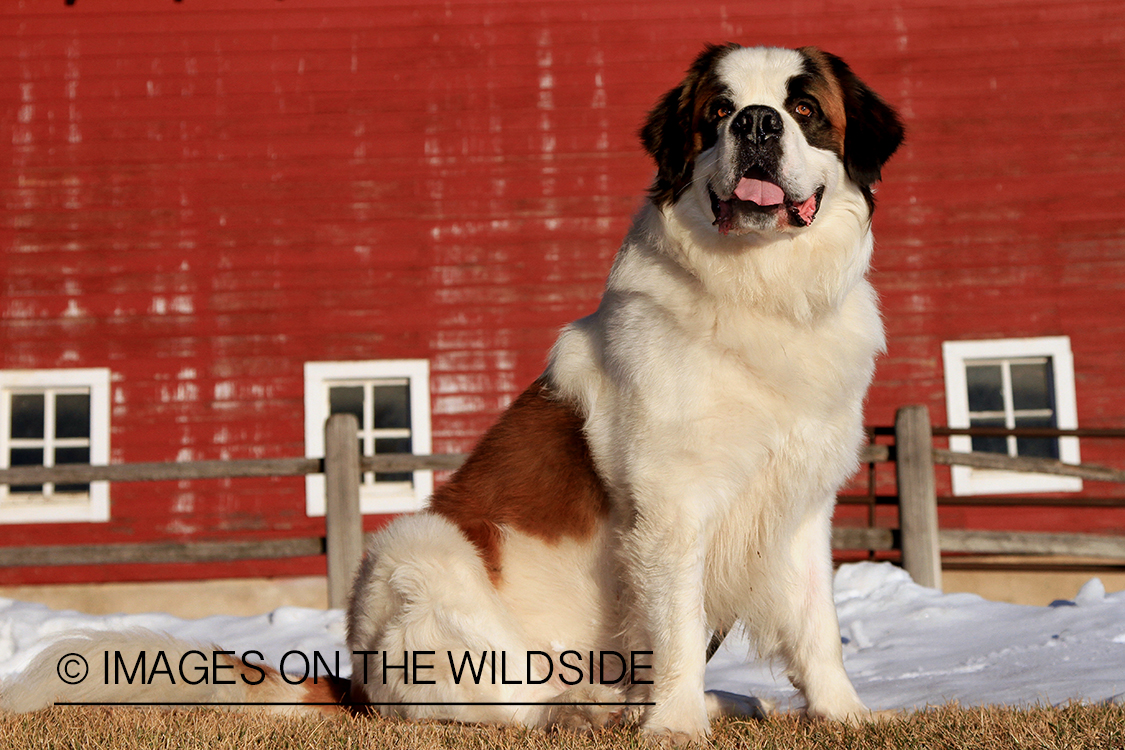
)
(905, 646)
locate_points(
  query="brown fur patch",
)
(330, 695)
(532, 471)
(708, 92)
(682, 124)
(872, 132)
(826, 88)
(327, 694)
(249, 674)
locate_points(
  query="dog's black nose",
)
(757, 122)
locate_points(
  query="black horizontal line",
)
(301, 703)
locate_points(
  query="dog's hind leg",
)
(584, 708)
(431, 638)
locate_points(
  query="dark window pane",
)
(72, 456)
(989, 444)
(26, 457)
(393, 445)
(985, 387)
(394, 476)
(392, 407)
(1032, 387)
(27, 415)
(1030, 447)
(346, 399)
(72, 415)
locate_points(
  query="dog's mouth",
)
(756, 197)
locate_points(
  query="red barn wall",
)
(203, 195)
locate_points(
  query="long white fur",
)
(722, 379)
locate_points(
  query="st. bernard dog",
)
(673, 471)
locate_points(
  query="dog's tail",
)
(141, 667)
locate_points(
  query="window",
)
(50, 418)
(1011, 383)
(391, 401)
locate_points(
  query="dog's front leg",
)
(665, 559)
(809, 628)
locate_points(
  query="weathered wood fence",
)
(342, 543)
(919, 537)
(923, 541)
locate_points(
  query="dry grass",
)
(947, 728)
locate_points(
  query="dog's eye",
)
(804, 109)
(723, 110)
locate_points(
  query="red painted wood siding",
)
(204, 195)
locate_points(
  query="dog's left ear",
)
(873, 130)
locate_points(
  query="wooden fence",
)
(918, 537)
(342, 543)
(923, 541)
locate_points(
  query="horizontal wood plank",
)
(407, 462)
(154, 472)
(873, 454)
(194, 552)
(1031, 543)
(264, 467)
(863, 538)
(1001, 462)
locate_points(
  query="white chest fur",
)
(727, 367)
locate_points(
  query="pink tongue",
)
(760, 192)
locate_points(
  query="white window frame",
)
(972, 481)
(92, 506)
(318, 377)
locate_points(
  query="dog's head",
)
(758, 135)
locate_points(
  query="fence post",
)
(342, 520)
(917, 498)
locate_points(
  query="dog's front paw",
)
(841, 704)
(853, 714)
(674, 738)
(677, 731)
(677, 717)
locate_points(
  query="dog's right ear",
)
(669, 134)
(664, 137)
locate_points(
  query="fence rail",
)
(969, 541)
(1027, 543)
(240, 468)
(919, 538)
(160, 552)
(342, 543)
(1001, 462)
